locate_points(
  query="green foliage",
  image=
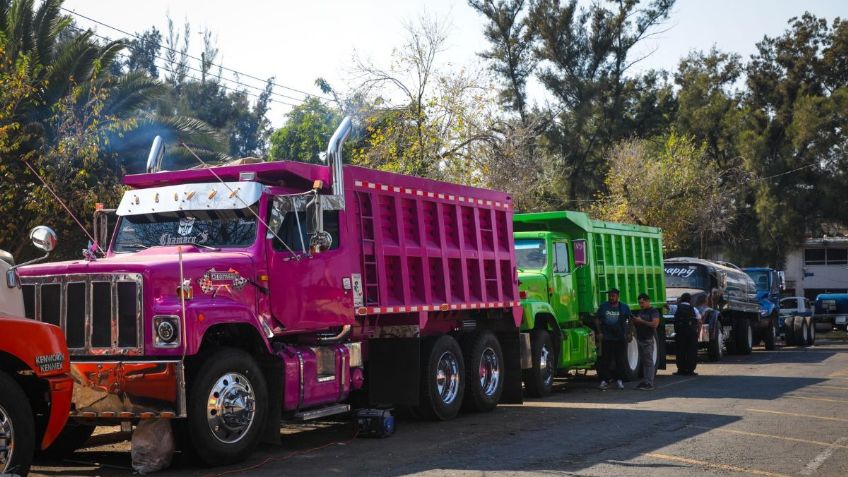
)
(308, 128)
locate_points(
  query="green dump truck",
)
(566, 263)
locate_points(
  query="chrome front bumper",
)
(126, 390)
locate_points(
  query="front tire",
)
(744, 336)
(227, 407)
(802, 332)
(17, 428)
(483, 354)
(715, 350)
(770, 334)
(442, 387)
(539, 380)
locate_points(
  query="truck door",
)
(562, 294)
(308, 290)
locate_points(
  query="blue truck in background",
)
(769, 284)
(832, 309)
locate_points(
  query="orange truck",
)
(35, 400)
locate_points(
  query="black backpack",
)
(685, 314)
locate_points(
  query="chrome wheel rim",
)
(7, 440)
(490, 372)
(632, 354)
(546, 365)
(804, 333)
(720, 338)
(447, 377)
(231, 408)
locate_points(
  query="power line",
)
(246, 75)
(223, 86)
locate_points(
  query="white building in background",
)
(819, 266)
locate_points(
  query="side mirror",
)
(319, 239)
(44, 238)
(579, 246)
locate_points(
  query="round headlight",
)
(167, 331)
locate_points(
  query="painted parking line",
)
(818, 460)
(808, 398)
(824, 418)
(712, 465)
(827, 386)
(676, 382)
(771, 436)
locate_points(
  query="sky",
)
(299, 41)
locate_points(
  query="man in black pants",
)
(687, 323)
(612, 322)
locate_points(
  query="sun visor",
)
(209, 196)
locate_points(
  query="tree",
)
(584, 55)
(673, 185)
(794, 139)
(510, 52)
(307, 131)
(144, 52)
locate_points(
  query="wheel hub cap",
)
(490, 372)
(230, 409)
(632, 354)
(447, 377)
(7, 441)
(546, 365)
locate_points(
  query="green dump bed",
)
(623, 256)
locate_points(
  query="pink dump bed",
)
(427, 245)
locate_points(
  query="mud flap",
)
(661, 346)
(393, 371)
(511, 348)
(272, 368)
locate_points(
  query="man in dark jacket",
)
(687, 322)
(612, 323)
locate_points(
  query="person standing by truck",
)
(687, 321)
(646, 322)
(612, 320)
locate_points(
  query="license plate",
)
(669, 330)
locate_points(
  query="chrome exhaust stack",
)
(334, 155)
(157, 152)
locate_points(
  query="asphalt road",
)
(770, 414)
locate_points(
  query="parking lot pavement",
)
(773, 413)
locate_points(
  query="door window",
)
(293, 230)
(561, 257)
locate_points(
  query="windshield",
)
(211, 228)
(761, 279)
(686, 276)
(531, 253)
(788, 304)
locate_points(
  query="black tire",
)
(16, 416)
(634, 363)
(482, 352)
(234, 373)
(770, 334)
(715, 348)
(743, 336)
(539, 379)
(789, 330)
(811, 331)
(801, 332)
(73, 437)
(435, 403)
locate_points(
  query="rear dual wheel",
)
(443, 379)
(743, 336)
(484, 362)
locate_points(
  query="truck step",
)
(311, 414)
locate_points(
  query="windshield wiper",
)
(135, 245)
(207, 247)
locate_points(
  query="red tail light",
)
(522, 294)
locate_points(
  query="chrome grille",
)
(100, 313)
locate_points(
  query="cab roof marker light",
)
(212, 194)
(189, 195)
(233, 193)
(247, 176)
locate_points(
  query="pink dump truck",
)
(233, 298)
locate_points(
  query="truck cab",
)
(769, 284)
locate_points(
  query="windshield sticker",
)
(185, 227)
(679, 272)
(212, 280)
(171, 239)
